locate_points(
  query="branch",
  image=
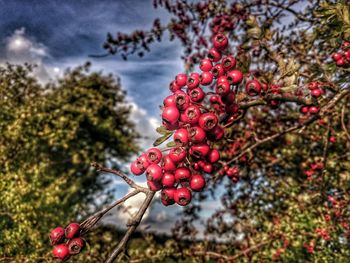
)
(87, 224)
(131, 227)
(343, 123)
(324, 111)
(130, 182)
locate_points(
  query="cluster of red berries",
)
(194, 126)
(342, 58)
(314, 168)
(66, 241)
(230, 172)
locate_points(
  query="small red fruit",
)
(341, 62)
(223, 88)
(206, 65)
(181, 80)
(207, 121)
(197, 182)
(177, 154)
(313, 109)
(191, 115)
(216, 134)
(336, 56)
(197, 134)
(182, 100)
(199, 150)
(72, 230)
(182, 174)
(214, 55)
(316, 93)
(229, 63)
(168, 180)
(168, 165)
(207, 167)
(253, 88)
(206, 78)
(154, 155)
(76, 245)
(181, 137)
(213, 156)
(235, 77)
(304, 109)
(135, 169)
(218, 71)
(170, 115)
(196, 94)
(154, 172)
(61, 252)
(169, 101)
(167, 196)
(220, 41)
(154, 186)
(57, 235)
(182, 196)
(174, 87)
(193, 81)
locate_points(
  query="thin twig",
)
(130, 182)
(343, 123)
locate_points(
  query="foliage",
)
(49, 136)
(284, 207)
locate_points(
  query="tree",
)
(49, 135)
(280, 124)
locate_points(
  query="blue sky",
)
(62, 33)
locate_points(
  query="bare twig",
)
(130, 182)
(132, 225)
(92, 220)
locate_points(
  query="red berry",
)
(75, 245)
(193, 81)
(229, 63)
(181, 137)
(213, 156)
(216, 134)
(207, 167)
(229, 98)
(72, 230)
(182, 174)
(199, 150)
(197, 134)
(253, 88)
(61, 252)
(182, 196)
(313, 85)
(218, 71)
(235, 76)
(167, 196)
(174, 87)
(313, 109)
(177, 154)
(231, 108)
(215, 99)
(336, 56)
(223, 88)
(154, 186)
(341, 62)
(316, 93)
(206, 78)
(181, 80)
(332, 139)
(304, 109)
(208, 121)
(169, 101)
(347, 54)
(345, 45)
(154, 155)
(135, 169)
(206, 65)
(170, 115)
(142, 161)
(168, 164)
(57, 235)
(197, 182)
(191, 115)
(182, 100)
(171, 126)
(196, 94)
(221, 80)
(214, 55)
(232, 172)
(168, 180)
(220, 41)
(154, 172)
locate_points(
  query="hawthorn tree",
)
(49, 134)
(261, 111)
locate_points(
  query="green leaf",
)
(171, 144)
(162, 130)
(162, 139)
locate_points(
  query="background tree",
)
(49, 135)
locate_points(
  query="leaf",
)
(162, 139)
(162, 130)
(171, 144)
(254, 32)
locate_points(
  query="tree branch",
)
(130, 182)
(131, 227)
(343, 123)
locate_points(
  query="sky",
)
(57, 34)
